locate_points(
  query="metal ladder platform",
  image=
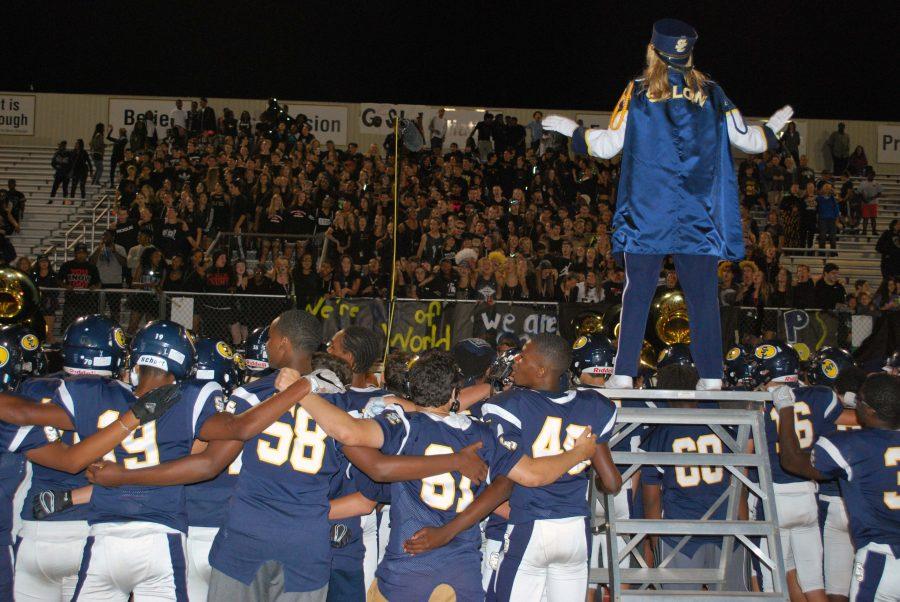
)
(742, 412)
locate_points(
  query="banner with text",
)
(888, 138)
(489, 321)
(378, 118)
(327, 122)
(17, 114)
(123, 112)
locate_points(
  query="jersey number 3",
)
(892, 458)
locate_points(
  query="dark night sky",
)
(826, 58)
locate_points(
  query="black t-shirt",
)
(126, 233)
(829, 295)
(805, 295)
(170, 238)
(300, 219)
(79, 274)
(612, 291)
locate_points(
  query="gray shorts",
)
(267, 586)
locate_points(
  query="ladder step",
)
(696, 527)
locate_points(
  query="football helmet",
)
(165, 345)
(216, 361)
(256, 355)
(740, 368)
(593, 353)
(775, 360)
(34, 362)
(94, 344)
(675, 354)
(827, 364)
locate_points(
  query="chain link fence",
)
(227, 317)
(421, 323)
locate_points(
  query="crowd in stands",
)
(512, 216)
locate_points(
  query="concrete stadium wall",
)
(71, 116)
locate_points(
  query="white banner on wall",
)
(459, 124)
(123, 112)
(328, 122)
(888, 140)
(378, 118)
(17, 114)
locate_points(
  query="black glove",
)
(340, 535)
(49, 502)
(156, 403)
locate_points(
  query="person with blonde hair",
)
(677, 191)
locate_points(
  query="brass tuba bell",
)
(20, 301)
(669, 317)
(590, 323)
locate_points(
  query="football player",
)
(44, 550)
(437, 429)
(546, 543)
(685, 492)
(817, 410)
(865, 462)
(834, 368)
(593, 359)
(48, 553)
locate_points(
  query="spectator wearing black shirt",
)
(347, 282)
(482, 134)
(171, 234)
(612, 288)
(13, 201)
(829, 291)
(125, 229)
(44, 277)
(78, 276)
(804, 289)
(306, 281)
(206, 117)
(445, 280)
(61, 162)
(117, 155)
(888, 246)
(217, 311)
(782, 292)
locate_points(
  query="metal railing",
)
(99, 214)
(743, 411)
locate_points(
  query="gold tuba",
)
(589, 323)
(20, 301)
(669, 317)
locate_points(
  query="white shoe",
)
(709, 384)
(619, 381)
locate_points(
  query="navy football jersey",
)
(831, 488)
(14, 442)
(279, 508)
(207, 501)
(688, 492)
(344, 482)
(815, 411)
(540, 424)
(867, 464)
(94, 402)
(43, 478)
(437, 499)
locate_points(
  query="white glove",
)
(780, 118)
(558, 123)
(324, 381)
(783, 397)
